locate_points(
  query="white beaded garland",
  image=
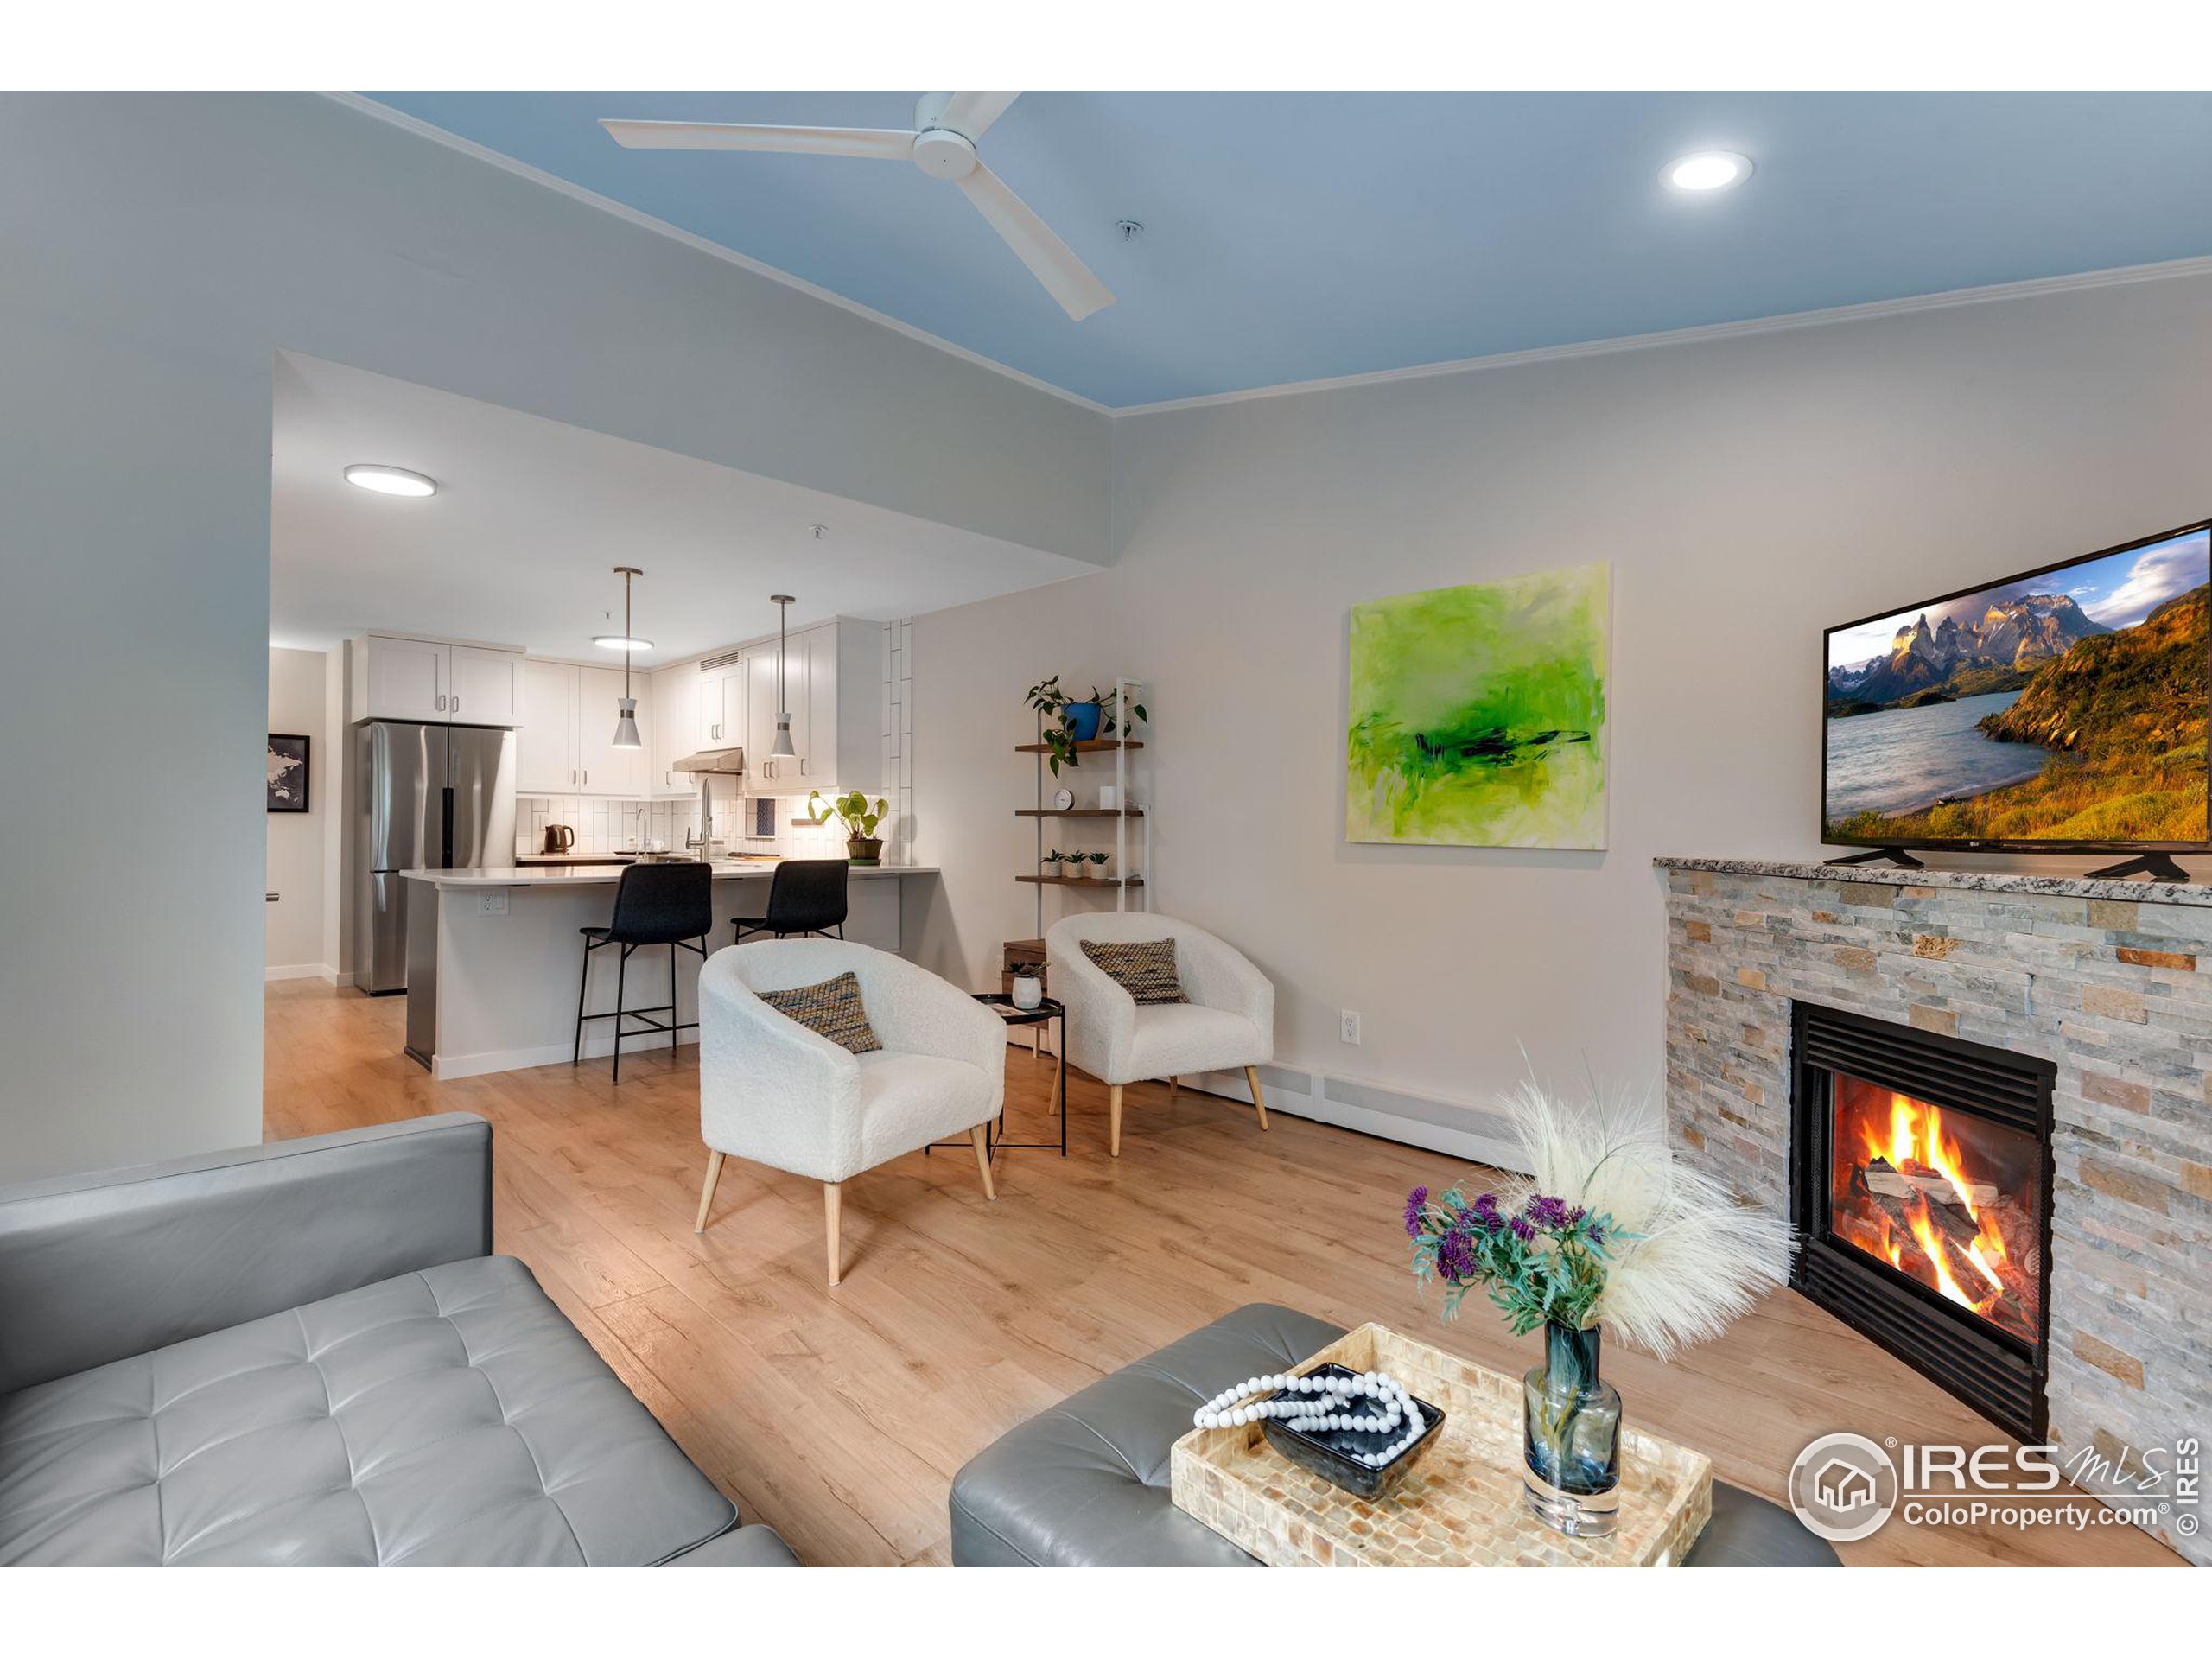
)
(1324, 1408)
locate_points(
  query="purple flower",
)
(1485, 1212)
(1417, 1205)
(1552, 1213)
(1522, 1229)
(1455, 1254)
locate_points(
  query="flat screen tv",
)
(2061, 710)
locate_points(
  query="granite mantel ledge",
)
(2199, 894)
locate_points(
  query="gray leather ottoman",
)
(303, 1354)
(1086, 1484)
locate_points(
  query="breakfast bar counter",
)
(493, 957)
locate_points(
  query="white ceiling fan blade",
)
(872, 143)
(971, 114)
(1067, 278)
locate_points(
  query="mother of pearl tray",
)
(1464, 1506)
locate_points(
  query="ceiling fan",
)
(943, 145)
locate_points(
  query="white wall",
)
(156, 252)
(294, 944)
(1748, 492)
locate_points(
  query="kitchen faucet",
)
(642, 828)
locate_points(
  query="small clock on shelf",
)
(1063, 798)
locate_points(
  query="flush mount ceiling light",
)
(620, 642)
(390, 481)
(1707, 170)
(625, 718)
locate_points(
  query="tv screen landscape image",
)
(2065, 708)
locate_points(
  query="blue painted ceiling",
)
(1298, 236)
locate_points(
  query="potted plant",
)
(859, 816)
(1028, 989)
(1071, 866)
(1609, 1229)
(1067, 721)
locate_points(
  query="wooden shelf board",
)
(1076, 812)
(1086, 747)
(1082, 881)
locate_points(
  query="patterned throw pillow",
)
(1145, 968)
(831, 1009)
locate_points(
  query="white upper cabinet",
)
(436, 681)
(833, 686)
(721, 693)
(567, 741)
(604, 769)
(760, 716)
(674, 729)
(545, 748)
(484, 687)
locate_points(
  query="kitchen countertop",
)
(575, 875)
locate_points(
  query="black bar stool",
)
(806, 896)
(657, 904)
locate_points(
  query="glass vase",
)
(1570, 1422)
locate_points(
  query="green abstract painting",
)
(1478, 714)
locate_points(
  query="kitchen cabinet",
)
(833, 686)
(604, 769)
(761, 706)
(483, 685)
(565, 743)
(545, 747)
(721, 696)
(395, 677)
(674, 730)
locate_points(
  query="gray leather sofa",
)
(1086, 1484)
(305, 1354)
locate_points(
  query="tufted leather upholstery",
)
(444, 1416)
(1086, 1484)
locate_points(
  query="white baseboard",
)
(1412, 1120)
(300, 970)
(336, 978)
(451, 1066)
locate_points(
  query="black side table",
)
(1046, 1011)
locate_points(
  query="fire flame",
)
(1916, 1141)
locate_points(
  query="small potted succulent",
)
(1028, 987)
(859, 815)
(1069, 721)
(1071, 867)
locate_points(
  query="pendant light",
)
(625, 724)
(781, 749)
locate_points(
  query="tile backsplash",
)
(606, 826)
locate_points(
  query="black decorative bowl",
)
(1332, 1453)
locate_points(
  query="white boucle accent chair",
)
(774, 1092)
(1229, 1022)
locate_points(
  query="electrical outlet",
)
(493, 903)
(1348, 1027)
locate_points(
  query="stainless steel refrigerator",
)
(440, 797)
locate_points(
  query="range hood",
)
(716, 762)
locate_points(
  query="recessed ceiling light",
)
(1708, 170)
(620, 642)
(391, 480)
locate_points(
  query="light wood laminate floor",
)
(840, 1416)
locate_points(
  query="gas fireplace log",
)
(1883, 1177)
(1954, 1227)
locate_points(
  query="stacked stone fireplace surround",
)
(2111, 981)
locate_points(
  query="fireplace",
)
(1920, 1188)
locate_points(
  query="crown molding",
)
(1701, 334)
(421, 128)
